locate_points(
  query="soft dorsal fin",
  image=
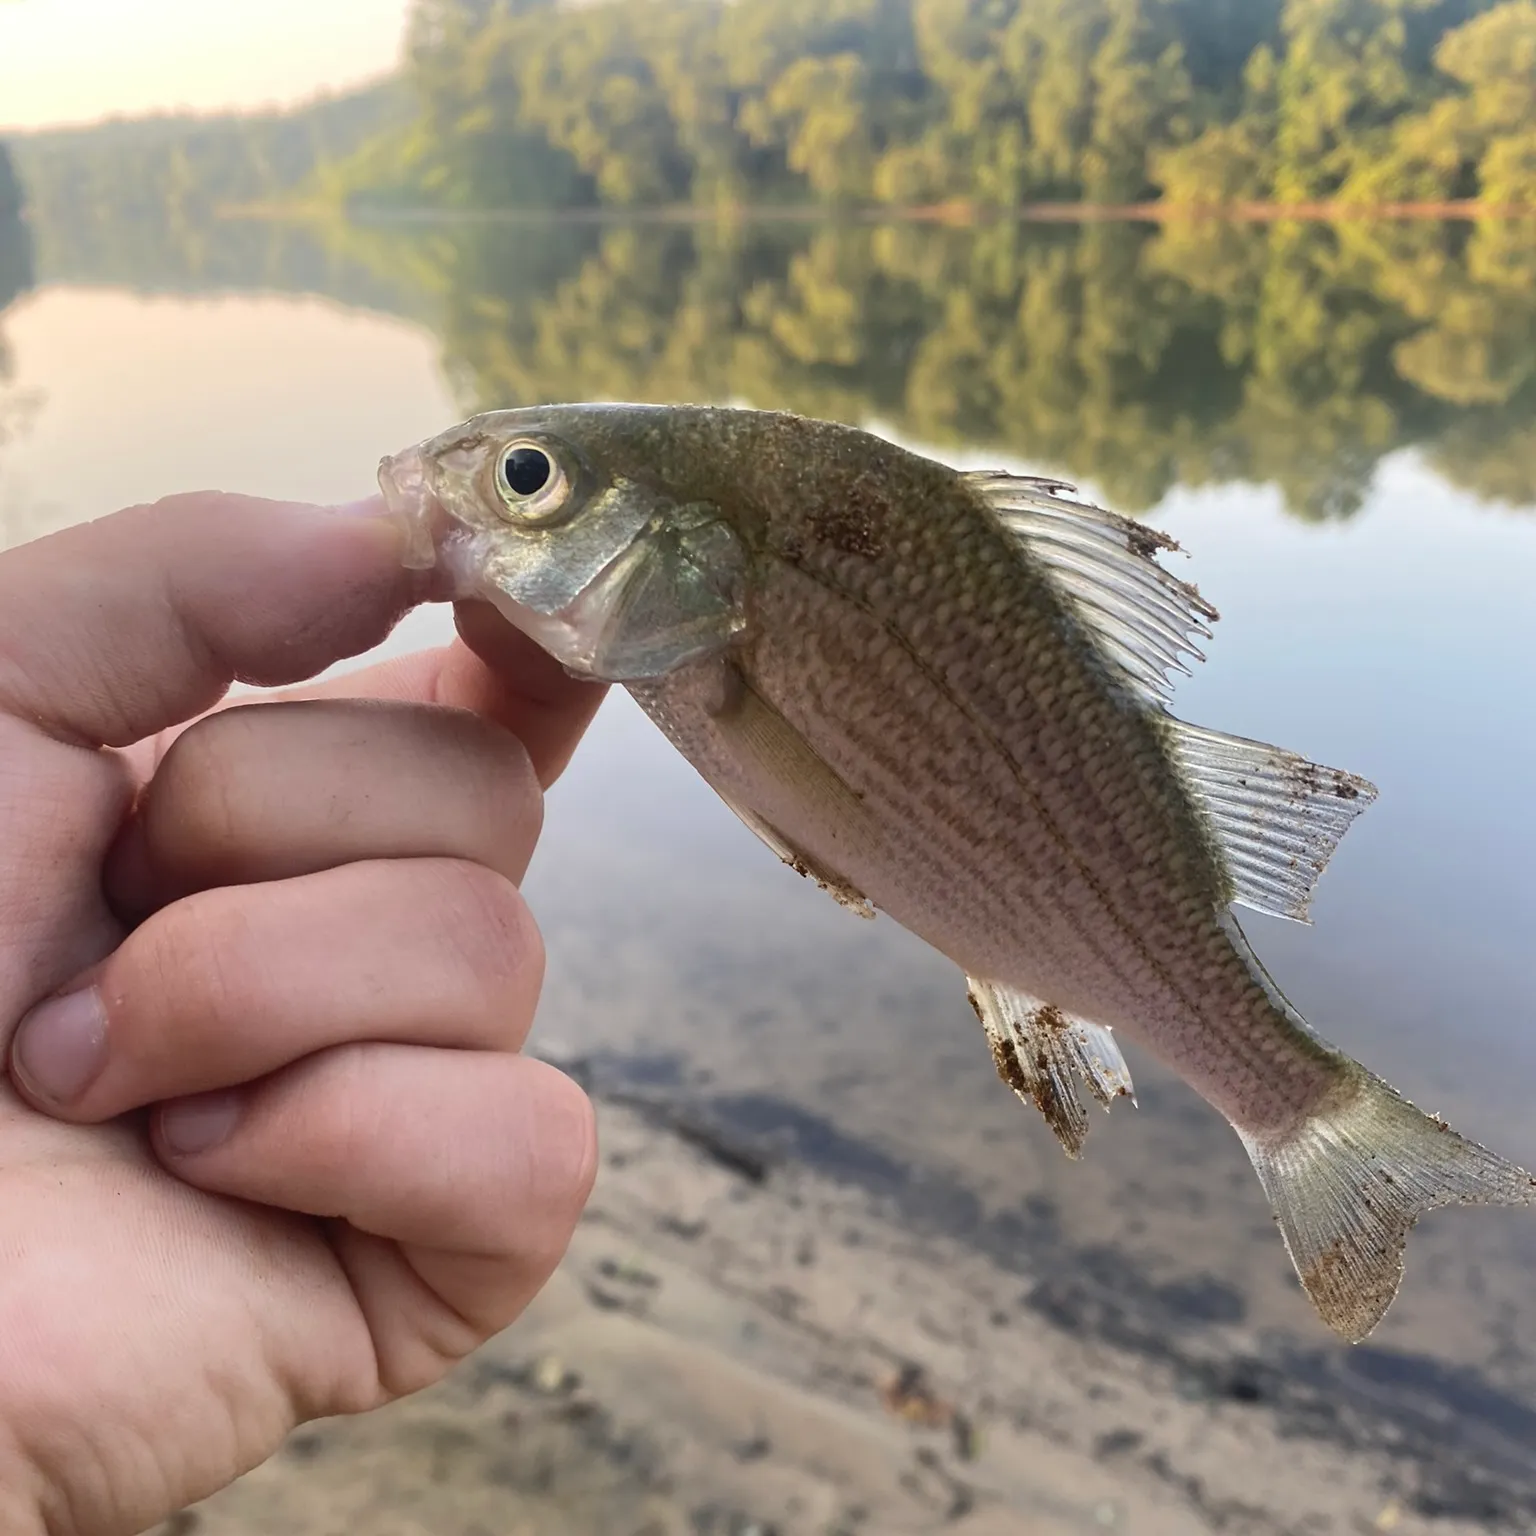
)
(1276, 817)
(1140, 616)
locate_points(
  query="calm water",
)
(1348, 458)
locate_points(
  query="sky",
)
(76, 61)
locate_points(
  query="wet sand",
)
(741, 1345)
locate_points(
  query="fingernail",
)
(61, 1046)
(393, 534)
(368, 506)
(201, 1122)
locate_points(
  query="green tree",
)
(639, 103)
(1349, 70)
(1232, 160)
(824, 88)
(1048, 98)
(588, 83)
(1494, 58)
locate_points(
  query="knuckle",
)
(320, 1120)
(513, 775)
(339, 1093)
(508, 790)
(550, 1168)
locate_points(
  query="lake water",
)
(1356, 502)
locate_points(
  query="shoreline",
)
(958, 214)
(741, 1345)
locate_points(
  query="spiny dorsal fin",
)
(1141, 617)
(1276, 817)
(1037, 1049)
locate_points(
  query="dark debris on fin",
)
(1275, 817)
(1142, 619)
(1041, 1053)
(837, 886)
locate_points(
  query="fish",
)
(945, 695)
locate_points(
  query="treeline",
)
(176, 172)
(990, 102)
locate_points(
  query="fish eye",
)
(531, 482)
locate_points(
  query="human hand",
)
(268, 1151)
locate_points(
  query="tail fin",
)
(1348, 1184)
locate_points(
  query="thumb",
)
(114, 630)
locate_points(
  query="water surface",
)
(1350, 475)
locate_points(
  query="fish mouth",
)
(420, 516)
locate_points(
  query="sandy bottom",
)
(743, 1347)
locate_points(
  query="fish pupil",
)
(527, 470)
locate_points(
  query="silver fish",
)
(944, 695)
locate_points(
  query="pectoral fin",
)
(1039, 1050)
(835, 885)
(786, 770)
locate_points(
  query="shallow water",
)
(1395, 641)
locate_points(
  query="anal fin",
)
(1040, 1052)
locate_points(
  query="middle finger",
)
(230, 985)
(271, 791)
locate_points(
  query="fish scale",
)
(945, 695)
(1026, 735)
(1052, 898)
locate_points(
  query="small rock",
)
(967, 1437)
(552, 1378)
(910, 1396)
(628, 1273)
